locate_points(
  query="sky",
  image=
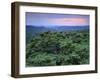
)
(51, 19)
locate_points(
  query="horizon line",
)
(55, 25)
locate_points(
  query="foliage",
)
(58, 48)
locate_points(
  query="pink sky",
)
(47, 19)
(69, 21)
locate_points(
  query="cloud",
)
(69, 21)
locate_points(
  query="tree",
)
(58, 48)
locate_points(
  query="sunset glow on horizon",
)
(47, 19)
(69, 21)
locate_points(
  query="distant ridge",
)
(58, 28)
(36, 30)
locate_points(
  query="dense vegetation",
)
(58, 48)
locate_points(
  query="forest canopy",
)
(58, 48)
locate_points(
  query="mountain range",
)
(32, 30)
